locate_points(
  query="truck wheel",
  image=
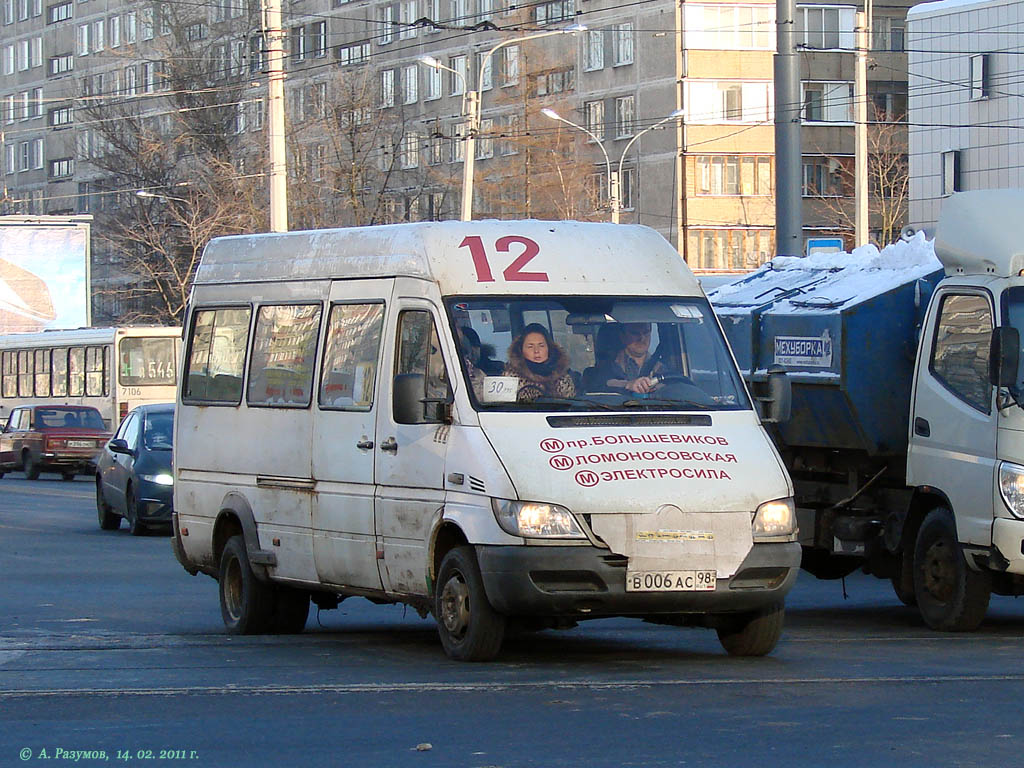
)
(470, 629)
(135, 526)
(903, 580)
(752, 634)
(950, 596)
(108, 520)
(29, 465)
(246, 603)
(291, 609)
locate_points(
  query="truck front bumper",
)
(1008, 538)
(582, 582)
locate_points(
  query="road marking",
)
(9, 656)
(490, 686)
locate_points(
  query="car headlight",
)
(775, 519)
(162, 479)
(533, 519)
(1011, 487)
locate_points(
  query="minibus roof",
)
(463, 257)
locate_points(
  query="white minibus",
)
(496, 422)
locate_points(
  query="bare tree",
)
(888, 181)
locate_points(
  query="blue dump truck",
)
(905, 431)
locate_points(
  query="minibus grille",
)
(632, 420)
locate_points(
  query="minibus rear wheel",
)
(470, 629)
(752, 634)
(246, 603)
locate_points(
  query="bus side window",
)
(59, 372)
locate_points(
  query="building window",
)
(59, 12)
(950, 172)
(387, 23)
(83, 40)
(61, 116)
(510, 66)
(555, 11)
(387, 88)
(37, 154)
(62, 168)
(147, 23)
(357, 53)
(98, 36)
(729, 248)
(409, 156)
(457, 80)
(61, 64)
(257, 52)
(129, 28)
(298, 43)
(433, 84)
(622, 44)
(483, 67)
(827, 27)
(979, 76)
(319, 35)
(410, 84)
(823, 176)
(593, 51)
(730, 27)
(827, 102)
(115, 31)
(407, 19)
(625, 110)
(485, 140)
(734, 175)
(593, 113)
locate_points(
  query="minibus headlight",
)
(774, 519)
(1011, 487)
(533, 519)
(162, 479)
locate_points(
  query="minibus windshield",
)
(587, 353)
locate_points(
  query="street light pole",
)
(471, 108)
(613, 181)
(676, 114)
(274, 36)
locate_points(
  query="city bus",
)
(112, 369)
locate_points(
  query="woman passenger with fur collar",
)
(540, 364)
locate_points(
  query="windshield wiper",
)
(570, 401)
(656, 401)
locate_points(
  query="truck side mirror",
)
(1004, 357)
(780, 395)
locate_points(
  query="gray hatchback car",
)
(134, 472)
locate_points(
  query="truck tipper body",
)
(905, 438)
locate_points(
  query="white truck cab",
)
(496, 421)
(966, 444)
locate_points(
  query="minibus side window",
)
(283, 355)
(350, 356)
(216, 361)
(419, 355)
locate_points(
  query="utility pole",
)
(788, 157)
(681, 233)
(860, 101)
(274, 41)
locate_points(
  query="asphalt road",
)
(107, 645)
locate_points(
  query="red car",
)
(52, 438)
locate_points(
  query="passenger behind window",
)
(541, 366)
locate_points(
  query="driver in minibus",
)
(633, 369)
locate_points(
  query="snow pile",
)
(841, 277)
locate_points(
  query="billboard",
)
(44, 273)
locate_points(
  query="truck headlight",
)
(1011, 487)
(775, 519)
(533, 519)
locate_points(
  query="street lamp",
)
(613, 181)
(147, 194)
(471, 107)
(675, 115)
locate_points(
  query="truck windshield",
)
(594, 353)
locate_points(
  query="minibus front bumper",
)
(582, 582)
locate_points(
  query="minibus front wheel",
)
(752, 634)
(470, 629)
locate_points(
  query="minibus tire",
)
(752, 634)
(469, 627)
(291, 609)
(246, 603)
(950, 596)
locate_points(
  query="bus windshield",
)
(594, 352)
(146, 361)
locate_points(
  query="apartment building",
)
(355, 68)
(965, 108)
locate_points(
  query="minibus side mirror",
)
(780, 396)
(1004, 357)
(411, 406)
